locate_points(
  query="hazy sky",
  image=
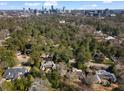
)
(60, 4)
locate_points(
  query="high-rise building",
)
(42, 8)
(24, 10)
(63, 9)
(107, 12)
(52, 7)
(29, 10)
(35, 11)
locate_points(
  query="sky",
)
(59, 4)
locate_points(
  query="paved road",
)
(2, 80)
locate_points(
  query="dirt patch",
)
(22, 58)
(98, 87)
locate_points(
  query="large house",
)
(14, 73)
(101, 76)
(98, 57)
(47, 63)
(104, 75)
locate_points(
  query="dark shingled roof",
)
(14, 73)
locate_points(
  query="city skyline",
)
(15, 5)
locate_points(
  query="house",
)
(46, 56)
(104, 75)
(48, 65)
(14, 73)
(76, 70)
(62, 21)
(98, 33)
(72, 61)
(99, 36)
(112, 15)
(109, 38)
(45, 59)
(101, 77)
(98, 57)
(47, 62)
(56, 45)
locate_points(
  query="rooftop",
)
(15, 72)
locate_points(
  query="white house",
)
(110, 38)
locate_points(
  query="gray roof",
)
(14, 73)
(106, 75)
(48, 59)
(48, 64)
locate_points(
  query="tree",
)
(1, 71)
(7, 58)
(62, 54)
(36, 72)
(8, 86)
(54, 78)
(22, 84)
(81, 66)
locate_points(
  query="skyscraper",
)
(52, 8)
(42, 8)
(24, 10)
(63, 9)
